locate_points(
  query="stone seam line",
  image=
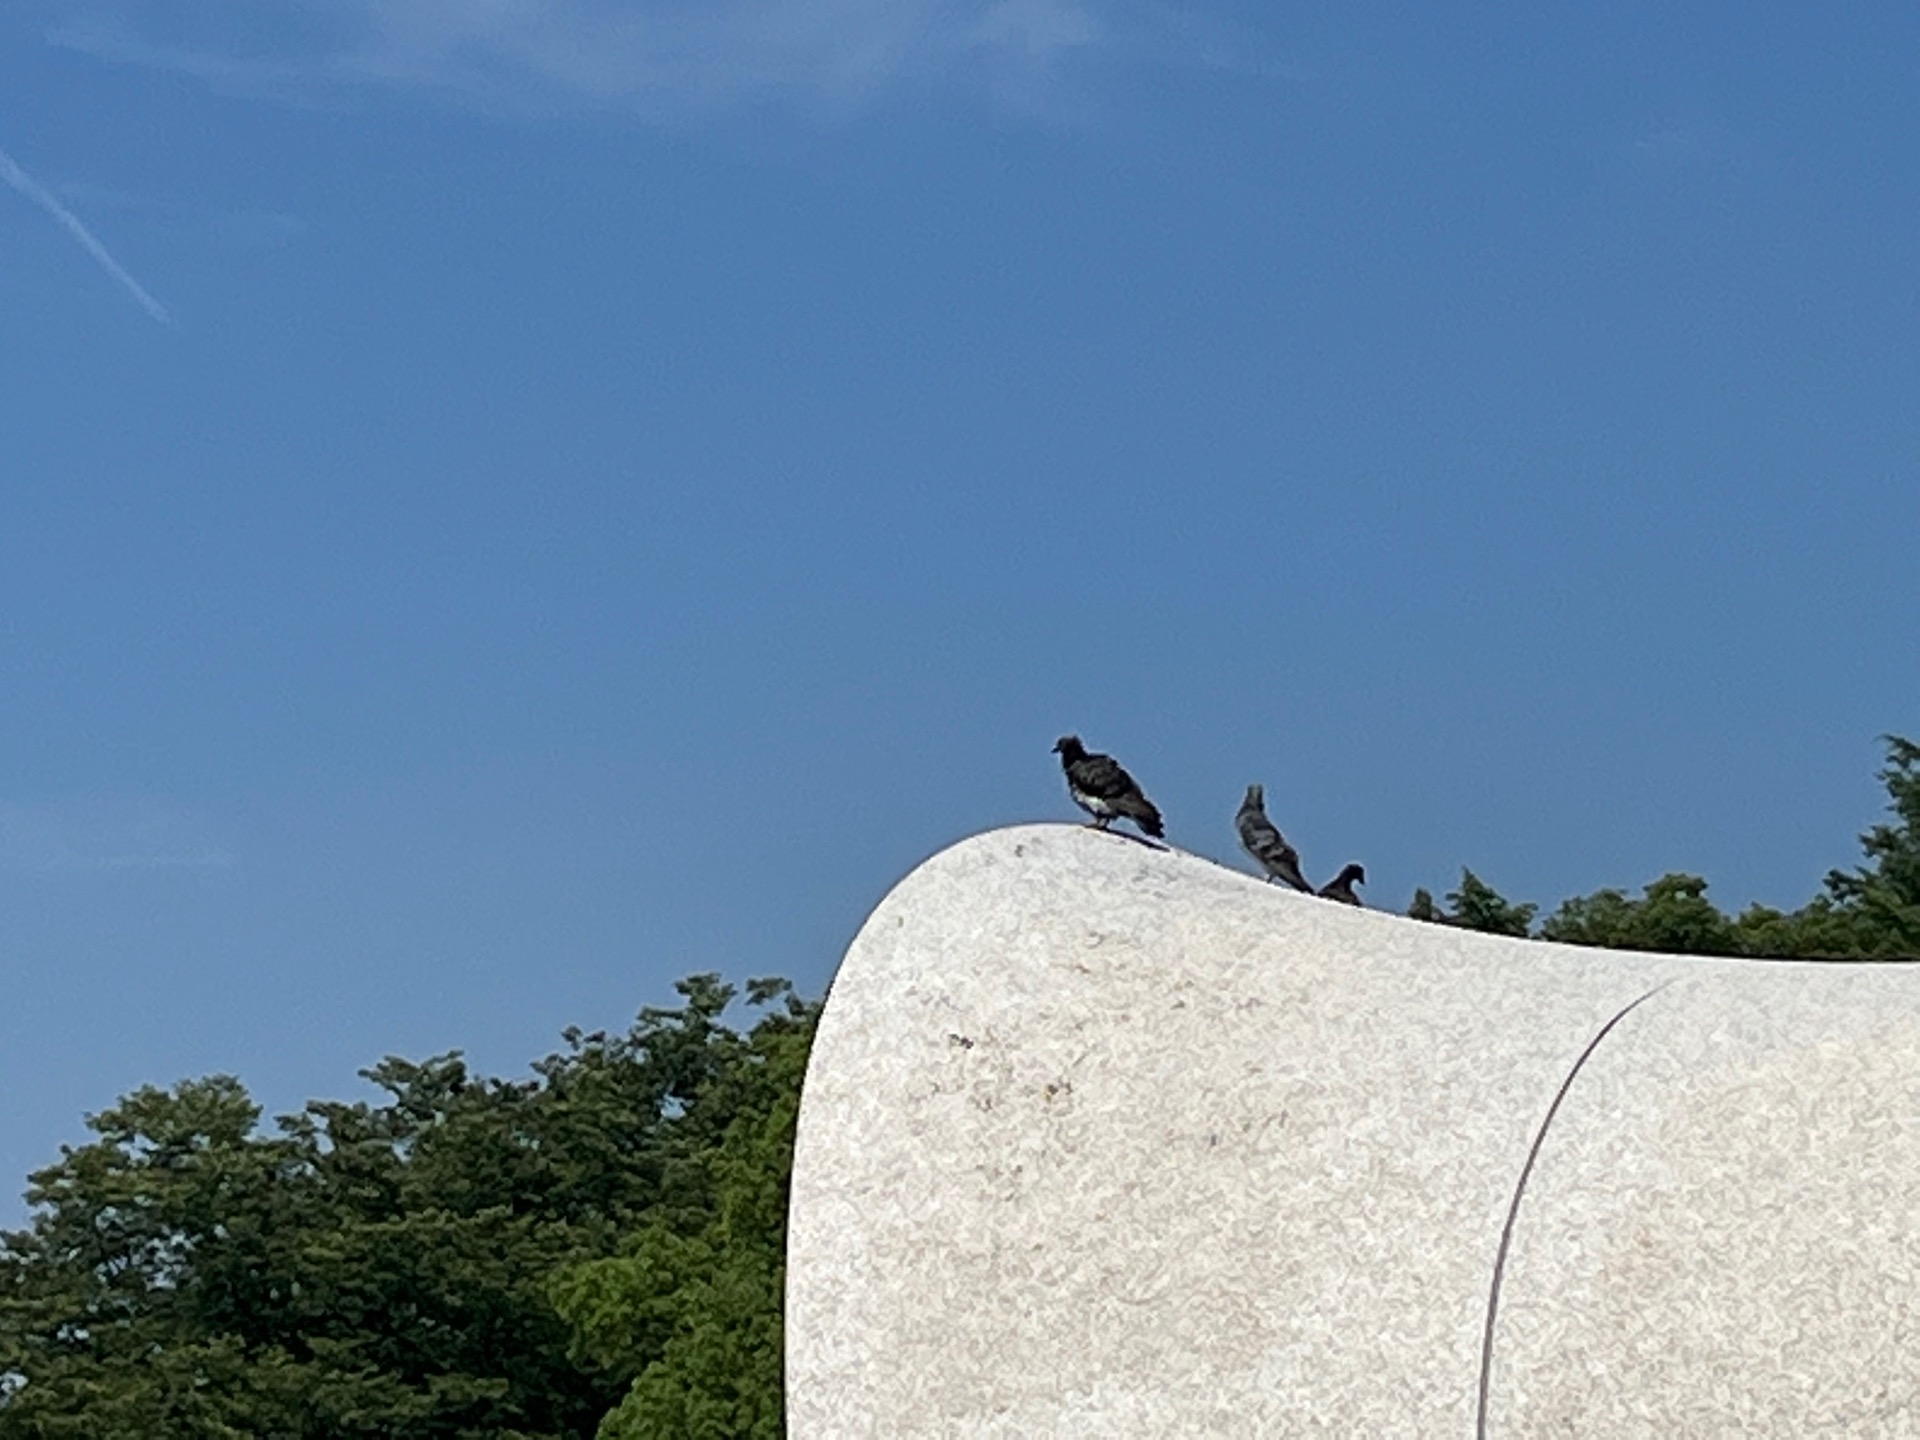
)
(1520, 1189)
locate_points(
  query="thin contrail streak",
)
(11, 172)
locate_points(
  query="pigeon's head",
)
(1069, 748)
(1353, 875)
(1256, 798)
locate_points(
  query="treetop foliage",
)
(452, 1260)
(1475, 906)
(1869, 913)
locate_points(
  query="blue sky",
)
(502, 506)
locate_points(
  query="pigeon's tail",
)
(1141, 811)
(1287, 867)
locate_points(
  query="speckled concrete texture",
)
(1099, 1140)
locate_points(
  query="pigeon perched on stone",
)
(1105, 791)
(1265, 843)
(1341, 886)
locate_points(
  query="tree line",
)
(597, 1249)
(1870, 912)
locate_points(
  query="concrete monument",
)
(1100, 1140)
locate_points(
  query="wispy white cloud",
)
(239, 229)
(95, 836)
(11, 172)
(662, 58)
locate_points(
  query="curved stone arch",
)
(1099, 1140)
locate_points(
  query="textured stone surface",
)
(1104, 1141)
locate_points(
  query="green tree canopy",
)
(1869, 913)
(1476, 905)
(1674, 916)
(689, 1308)
(385, 1269)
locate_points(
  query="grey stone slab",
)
(1099, 1140)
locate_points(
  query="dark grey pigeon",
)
(1341, 886)
(1263, 841)
(1101, 788)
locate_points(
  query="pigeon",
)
(1265, 843)
(1101, 788)
(1341, 886)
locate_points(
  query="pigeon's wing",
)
(1258, 833)
(1101, 777)
(1267, 845)
(1281, 860)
